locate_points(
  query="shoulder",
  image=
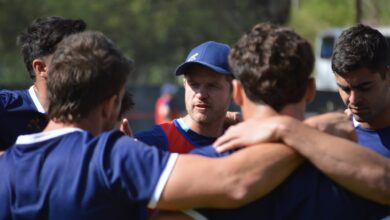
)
(155, 136)
(155, 131)
(14, 99)
(7, 96)
(120, 144)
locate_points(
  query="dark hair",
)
(42, 36)
(360, 47)
(273, 64)
(86, 69)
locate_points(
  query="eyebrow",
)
(355, 86)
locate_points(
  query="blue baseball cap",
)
(210, 54)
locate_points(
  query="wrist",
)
(294, 133)
(284, 128)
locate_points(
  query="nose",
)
(354, 97)
(202, 93)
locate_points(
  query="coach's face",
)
(207, 94)
(367, 95)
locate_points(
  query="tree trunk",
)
(359, 11)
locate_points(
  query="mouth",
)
(358, 110)
(202, 106)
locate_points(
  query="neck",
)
(295, 110)
(40, 91)
(91, 124)
(213, 129)
(257, 111)
(253, 110)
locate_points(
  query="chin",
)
(362, 118)
(204, 120)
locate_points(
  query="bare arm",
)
(334, 123)
(356, 168)
(254, 131)
(227, 182)
(360, 170)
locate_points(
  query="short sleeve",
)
(136, 169)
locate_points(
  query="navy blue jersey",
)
(305, 194)
(69, 174)
(174, 136)
(20, 113)
(376, 140)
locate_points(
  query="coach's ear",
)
(237, 93)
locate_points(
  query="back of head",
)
(360, 47)
(42, 36)
(86, 69)
(273, 65)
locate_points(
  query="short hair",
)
(86, 69)
(41, 37)
(358, 47)
(273, 64)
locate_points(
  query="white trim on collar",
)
(182, 124)
(43, 136)
(355, 123)
(35, 99)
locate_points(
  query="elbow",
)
(381, 185)
(385, 186)
(240, 196)
(242, 192)
(384, 195)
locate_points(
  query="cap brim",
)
(181, 68)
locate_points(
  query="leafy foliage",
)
(158, 34)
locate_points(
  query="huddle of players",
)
(270, 75)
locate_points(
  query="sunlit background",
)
(158, 34)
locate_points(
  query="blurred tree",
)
(157, 34)
(359, 11)
(313, 16)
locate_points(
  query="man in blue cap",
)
(207, 84)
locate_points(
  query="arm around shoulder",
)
(227, 182)
(358, 169)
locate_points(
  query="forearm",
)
(275, 163)
(347, 163)
(228, 182)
